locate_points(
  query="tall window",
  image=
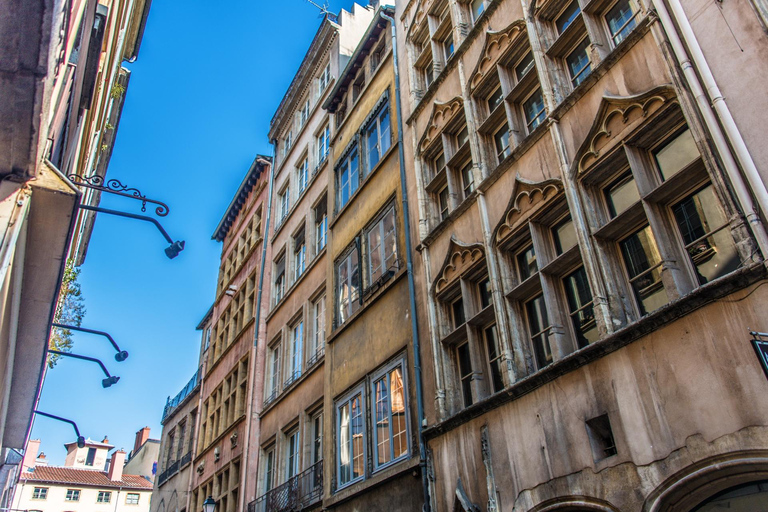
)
(621, 19)
(321, 225)
(533, 110)
(297, 351)
(182, 431)
(273, 382)
(494, 357)
(323, 143)
(325, 77)
(381, 245)
(390, 432)
(347, 177)
(378, 137)
(90, 457)
(350, 450)
(348, 285)
(284, 200)
(269, 468)
(279, 280)
(292, 457)
(316, 452)
(302, 175)
(317, 339)
(299, 254)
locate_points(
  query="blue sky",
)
(208, 78)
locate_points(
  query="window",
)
(279, 282)
(132, 498)
(477, 8)
(40, 493)
(325, 77)
(297, 351)
(316, 453)
(287, 142)
(494, 357)
(501, 141)
(533, 110)
(299, 254)
(378, 55)
(269, 469)
(182, 430)
(465, 373)
(564, 236)
(284, 200)
(457, 312)
(348, 285)
(323, 143)
(72, 495)
(484, 292)
(621, 19)
(448, 47)
(104, 497)
(621, 194)
(443, 204)
(538, 326)
(302, 175)
(317, 339)
(390, 432)
(579, 297)
(526, 263)
(350, 449)
(578, 62)
(304, 113)
(90, 457)
(378, 137)
(381, 246)
(643, 264)
(467, 179)
(273, 375)
(321, 225)
(292, 456)
(423, 50)
(347, 177)
(567, 16)
(358, 85)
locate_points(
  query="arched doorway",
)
(750, 497)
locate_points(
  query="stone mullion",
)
(540, 59)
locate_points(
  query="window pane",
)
(566, 18)
(345, 456)
(622, 194)
(524, 66)
(526, 263)
(621, 20)
(578, 63)
(677, 154)
(501, 138)
(384, 129)
(381, 394)
(373, 145)
(374, 253)
(643, 263)
(478, 7)
(564, 235)
(495, 99)
(358, 462)
(579, 298)
(533, 108)
(390, 241)
(443, 203)
(484, 289)
(457, 310)
(494, 358)
(467, 179)
(706, 236)
(465, 373)
(399, 434)
(538, 324)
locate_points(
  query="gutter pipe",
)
(723, 113)
(409, 267)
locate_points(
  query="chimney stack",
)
(141, 437)
(115, 472)
(30, 455)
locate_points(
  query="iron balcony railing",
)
(174, 402)
(299, 493)
(168, 473)
(186, 459)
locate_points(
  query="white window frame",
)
(292, 456)
(41, 492)
(323, 143)
(302, 175)
(325, 77)
(375, 274)
(132, 498)
(383, 138)
(344, 311)
(317, 338)
(346, 400)
(72, 495)
(384, 373)
(351, 185)
(104, 497)
(273, 371)
(297, 350)
(284, 200)
(268, 478)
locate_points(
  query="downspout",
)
(256, 326)
(257, 318)
(409, 267)
(62, 268)
(724, 114)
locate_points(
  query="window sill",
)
(702, 296)
(365, 306)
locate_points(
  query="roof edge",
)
(233, 210)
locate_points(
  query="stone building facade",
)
(590, 236)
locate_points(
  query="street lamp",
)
(80, 439)
(121, 355)
(109, 381)
(209, 505)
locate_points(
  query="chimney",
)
(30, 455)
(141, 438)
(115, 472)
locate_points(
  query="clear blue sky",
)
(208, 78)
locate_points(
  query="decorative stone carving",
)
(201, 468)
(233, 439)
(615, 116)
(442, 114)
(496, 44)
(527, 198)
(458, 260)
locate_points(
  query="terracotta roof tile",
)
(84, 477)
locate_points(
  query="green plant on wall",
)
(69, 311)
(117, 91)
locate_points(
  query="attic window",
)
(358, 85)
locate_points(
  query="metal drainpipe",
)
(409, 267)
(257, 319)
(731, 168)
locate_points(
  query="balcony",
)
(172, 403)
(168, 473)
(299, 493)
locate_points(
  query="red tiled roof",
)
(84, 477)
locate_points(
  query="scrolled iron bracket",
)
(114, 186)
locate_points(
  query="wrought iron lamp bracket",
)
(114, 186)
